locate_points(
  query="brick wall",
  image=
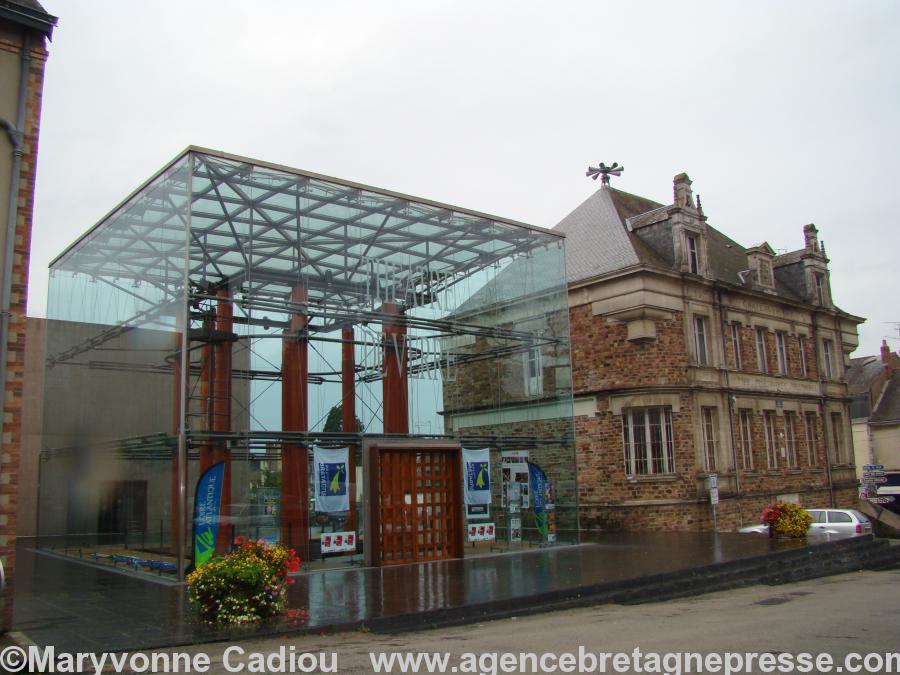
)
(602, 357)
(12, 406)
(606, 365)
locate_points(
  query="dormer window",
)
(759, 260)
(693, 250)
(765, 273)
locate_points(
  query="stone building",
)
(693, 355)
(24, 28)
(874, 383)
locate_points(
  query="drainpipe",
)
(817, 355)
(16, 137)
(730, 397)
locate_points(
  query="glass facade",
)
(238, 314)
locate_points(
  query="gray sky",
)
(781, 113)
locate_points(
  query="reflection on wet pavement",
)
(76, 606)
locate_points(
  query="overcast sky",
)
(782, 113)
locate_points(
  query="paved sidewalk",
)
(79, 607)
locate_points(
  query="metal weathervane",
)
(605, 171)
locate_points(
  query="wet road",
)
(856, 612)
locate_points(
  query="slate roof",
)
(862, 373)
(888, 409)
(598, 241)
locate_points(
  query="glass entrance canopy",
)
(238, 312)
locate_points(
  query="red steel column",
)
(221, 405)
(348, 411)
(294, 417)
(394, 377)
(206, 387)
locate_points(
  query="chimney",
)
(684, 196)
(811, 236)
(887, 359)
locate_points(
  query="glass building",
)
(366, 376)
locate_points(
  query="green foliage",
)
(335, 421)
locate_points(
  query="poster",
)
(477, 473)
(481, 532)
(207, 506)
(330, 471)
(515, 530)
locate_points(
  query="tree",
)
(335, 421)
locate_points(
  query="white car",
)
(840, 521)
(828, 521)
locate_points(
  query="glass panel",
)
(114, 332)
(316, 313)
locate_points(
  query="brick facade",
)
(606, 365)
(13, 395)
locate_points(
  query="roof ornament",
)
(605, 171)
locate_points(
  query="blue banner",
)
(477, 474)
(207, 507)
(330, 465)
(537, 480)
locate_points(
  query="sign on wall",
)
(338, 542)
(330, 466)
(207, 506)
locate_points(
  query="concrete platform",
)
(80, 607)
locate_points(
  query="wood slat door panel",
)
(419, 506)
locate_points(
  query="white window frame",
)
(769, 433)
(693, 251)
(640, 445)
(781, 351)
(790, 439)
(745, 427)
(827, 358)
(736, 343)
(809, 430)
(762, 363)
(708, 428)
(533, 372)
(803, 370)
(701, 340)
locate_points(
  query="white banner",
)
(477, 475)
(332, 490)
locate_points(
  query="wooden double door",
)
(415, 502)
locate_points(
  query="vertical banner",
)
(477, 472)
(538, 481)
(207, 506)
(330, 471)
